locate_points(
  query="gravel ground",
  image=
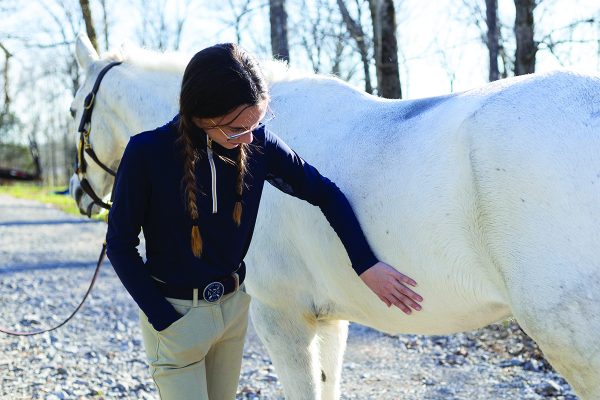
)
(47, 259)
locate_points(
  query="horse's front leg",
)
(289, 334)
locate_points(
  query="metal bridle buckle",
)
(213, 292)
(89, 101)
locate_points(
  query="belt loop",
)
(195, 301)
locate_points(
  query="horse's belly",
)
(302, 264)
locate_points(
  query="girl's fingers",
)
(405, 279)
(399, 303)
(407, 292)
(406, 300)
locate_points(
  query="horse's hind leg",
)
(560, 309)
(332, 335)
(290, 338)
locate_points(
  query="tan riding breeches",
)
(199, 356)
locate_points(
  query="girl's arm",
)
(130, 201)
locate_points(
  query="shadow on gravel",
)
(21, 206)
(49, 266)
(50, 222)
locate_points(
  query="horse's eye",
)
(73, 112)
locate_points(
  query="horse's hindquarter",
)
(538, 171)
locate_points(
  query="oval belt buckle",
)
(213, 291)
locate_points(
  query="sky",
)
(437, 40)
(440, 47)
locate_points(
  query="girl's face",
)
(234, 128)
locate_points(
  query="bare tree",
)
(336, 66)
(279, 34)
(57, 71)
(383, 15)
(362, 42)
(5, 112)
(156, 31)
(320, 31)
(239, 12)
(484, 15)
(89, 22)
(528, 15)
(313, 37)
(105, 24)
(493, 40)
(564, 36)
(524, 31)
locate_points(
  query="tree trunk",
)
(279, 40)
(5, 112)
(358, 35)
(35, 151)
(89, 22)
(104, 23)
(53, 165)
(526, 47)
(383, 16)
(493, 41)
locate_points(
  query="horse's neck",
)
(146, 102)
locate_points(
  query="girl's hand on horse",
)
(391, 287)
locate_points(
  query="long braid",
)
(216, 81)
(237, 209)
(191, 189)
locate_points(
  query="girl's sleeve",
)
(125, 218)
(288, 172)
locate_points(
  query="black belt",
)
(210, 292)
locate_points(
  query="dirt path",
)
(47, 258)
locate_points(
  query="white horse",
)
(489, 199)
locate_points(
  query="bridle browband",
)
(84, 144)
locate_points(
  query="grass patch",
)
(45, 194)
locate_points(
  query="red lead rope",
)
(100, 259)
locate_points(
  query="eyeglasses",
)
(269, 116)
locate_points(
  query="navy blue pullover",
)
(148, 195)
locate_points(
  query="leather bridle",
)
(84, 144)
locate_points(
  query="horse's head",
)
(130, 97)
(96, 158)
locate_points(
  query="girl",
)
(194, 186)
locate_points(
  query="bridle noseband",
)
(84, 144)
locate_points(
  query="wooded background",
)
(365, 42)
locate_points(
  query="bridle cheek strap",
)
(84, 144)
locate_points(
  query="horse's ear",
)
(84, 51)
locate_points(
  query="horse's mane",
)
(175, 62)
